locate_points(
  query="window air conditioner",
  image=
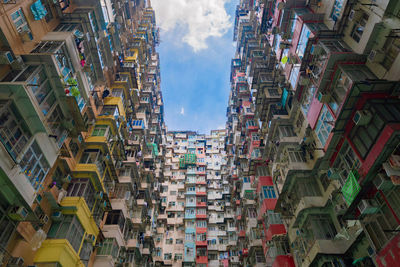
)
(333, 174)
(362, 117)
(382, 182)
(351, 14)
(367, 206)
(18, 213)
(6, 57)
(57, 216)
(67, 179)
(376, 56)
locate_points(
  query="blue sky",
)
(195, 52)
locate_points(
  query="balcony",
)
(201, 259)
(57, 251)
(201, 204)
(325, 56)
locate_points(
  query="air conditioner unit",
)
(362, 117)
(90, 238)
(333, 174)
(376, 56)
(44, 218)
(57, 216)
(67, 179)
(18, 63)
(323, 97)
(18, 213)
(340, 208)
(351, 14)
(99, 195)
(367, 206)
(6, 57)
(15, 262)
(382, 182)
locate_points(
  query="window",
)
(54, 121)
(86, 251)
(101, 130)
(341, 86)
(321, 226)
(110, 110)
(179, 241)
(359, 27)
(169, 241)
(364, 137)
(250, 123)
(201, 211)
(94, 156)
(49, 14)
(116, 217)
(74, 147)
(41, 88)
(68, 228)
(286, 131)
(189, 237)
(82, 188)
(178, 256)
(295, 155)
(392, 49)
(346, 161)
(336, 9)
(201, 237)
(172, 193)
(13, 134)
(167, 256)
(201, 224)
(34, 165)
(246, 179)
(7, 228)
(324, 125)
(189, 252)
(269, 192)
(20, 23)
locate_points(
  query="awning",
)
(38, 10)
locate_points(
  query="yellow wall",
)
(82, 212)
(58, 250)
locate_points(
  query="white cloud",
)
(182, 111)
(201, 18)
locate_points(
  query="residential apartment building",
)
(191, 225)
(312, 133)
(82, 133)
(306, 172)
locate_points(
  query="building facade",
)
(82, 133)
(312, 141)
(306, 172)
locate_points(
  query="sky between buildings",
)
(195, 52)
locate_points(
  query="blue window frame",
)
(269, 192)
